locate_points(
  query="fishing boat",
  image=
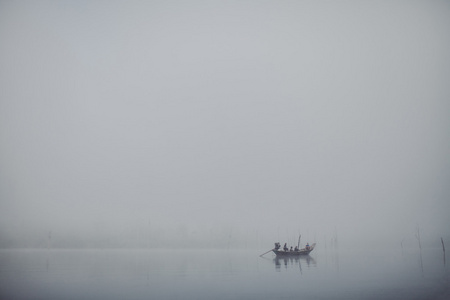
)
(285, 252)
(290, 253)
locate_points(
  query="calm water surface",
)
(221, 274)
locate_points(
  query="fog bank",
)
(210, 124)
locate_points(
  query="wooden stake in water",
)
(49, 240)
(443, 248)
(418, 237)
(420, 247)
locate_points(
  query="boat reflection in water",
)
(294, 261)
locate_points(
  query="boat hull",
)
(290, 253)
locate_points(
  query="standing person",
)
(285, 248)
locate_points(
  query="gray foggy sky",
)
(276, 116)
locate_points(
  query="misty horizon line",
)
(180, 247)
(214, 241)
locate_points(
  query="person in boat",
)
(296, 249)
(307, 246)
(277, 246)
(291, 249)
(285, 248)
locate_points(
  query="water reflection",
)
(291, 262)
(221, 275)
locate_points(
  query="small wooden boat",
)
(285, 252)
(304, 251)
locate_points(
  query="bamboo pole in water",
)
(443, 248)
(266, 252)
(418, 237)
(420, 247)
